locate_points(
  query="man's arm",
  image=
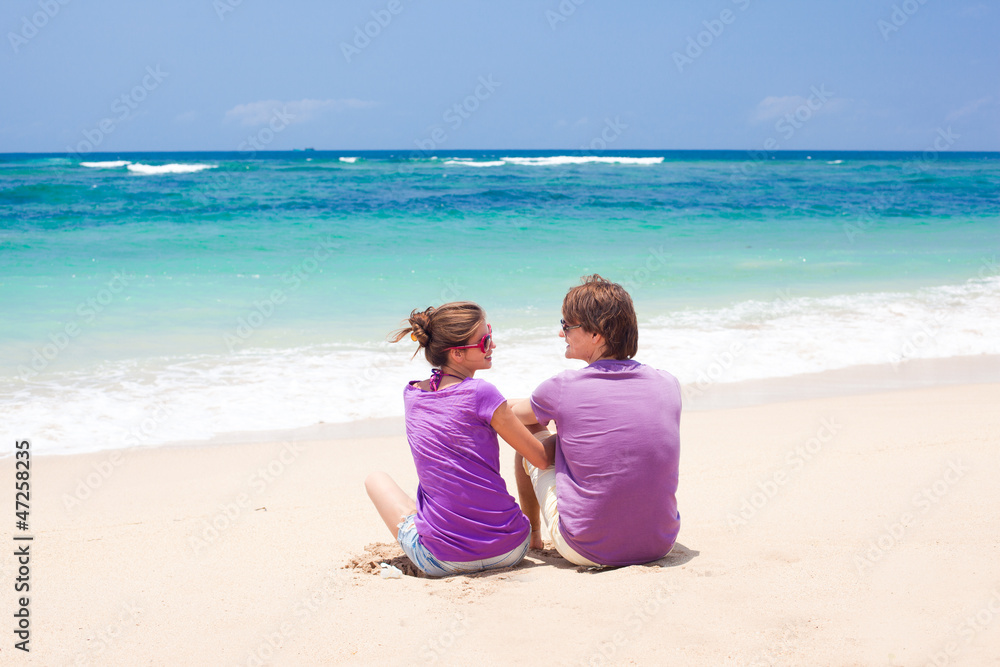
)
(522, 410)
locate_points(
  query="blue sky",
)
(115, 76)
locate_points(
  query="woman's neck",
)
(461, 373)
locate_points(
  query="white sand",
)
(859, 530)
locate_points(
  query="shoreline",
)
(851, 381)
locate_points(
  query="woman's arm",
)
(517, 436)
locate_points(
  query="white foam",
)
(349, 160)
(580, 159)
(111, 164)
(473, 163)
(793, 335)
(149, 402)
(49, 160)
(150, 170)
(154, 401)
(836, 162)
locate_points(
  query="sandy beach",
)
(857, 529)
(232, 232)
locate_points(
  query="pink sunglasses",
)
(483, 345)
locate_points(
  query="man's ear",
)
(600, 342)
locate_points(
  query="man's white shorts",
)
(544, 483)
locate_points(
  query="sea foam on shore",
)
(188, 397)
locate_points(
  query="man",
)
(610, 498)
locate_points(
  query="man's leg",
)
(526, 490)
(392, 503)
(537, 490)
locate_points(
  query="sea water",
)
(152, 297)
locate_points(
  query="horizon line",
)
(565, 151)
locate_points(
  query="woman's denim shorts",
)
(432, 567)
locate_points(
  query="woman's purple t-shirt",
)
(464, 512)
(616, 458)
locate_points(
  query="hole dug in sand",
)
(376, 553)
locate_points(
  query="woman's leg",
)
(392, 503)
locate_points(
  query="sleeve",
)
(488, 399)
(672, 386)
(673, 383)
(545, 399)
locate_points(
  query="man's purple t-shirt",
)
(616, 459)
(464, 512)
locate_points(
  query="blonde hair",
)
(437, 329)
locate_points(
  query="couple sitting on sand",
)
(604, 483)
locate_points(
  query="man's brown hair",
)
(603, 307)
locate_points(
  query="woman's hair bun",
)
(438, 329)
(419, 324)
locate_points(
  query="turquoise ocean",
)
(150, 298)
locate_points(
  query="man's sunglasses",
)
(567, 327)
(484, 344)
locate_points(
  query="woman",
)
(463, 519)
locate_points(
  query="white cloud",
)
(975, 11)
(775, 107)
(968, 109)
(821, 101)
(300, 111)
